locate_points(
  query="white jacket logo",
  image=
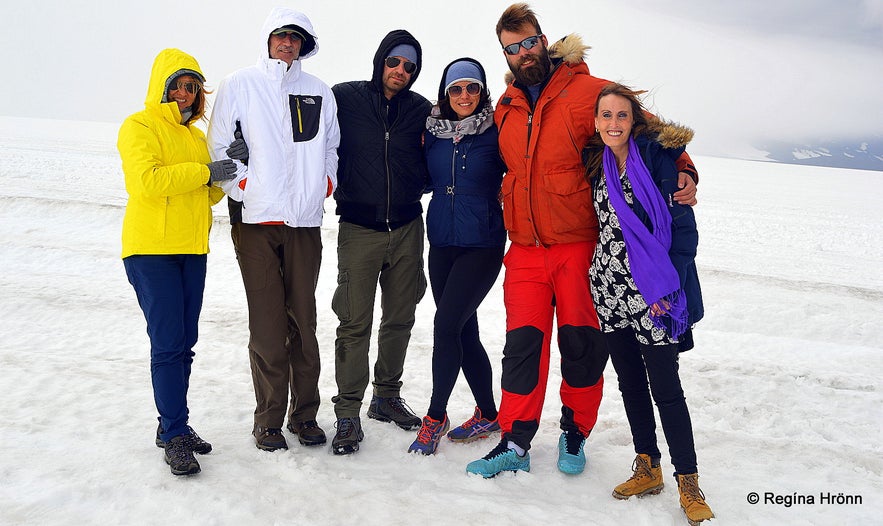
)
(308, 100)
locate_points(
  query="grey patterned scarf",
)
(472, 125)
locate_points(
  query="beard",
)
(536, 72)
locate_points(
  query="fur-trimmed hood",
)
(569, 49)
(669, 134)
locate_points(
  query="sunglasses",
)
(473, 88)
(190, 86)
(285, 33)
(393, 62)
(527, 43)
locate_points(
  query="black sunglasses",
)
(527, 43)
(190, 86)
(473, 88)
(393, 62)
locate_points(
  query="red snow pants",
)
(541, 283)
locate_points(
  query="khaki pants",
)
(280, 270)
(365, 258)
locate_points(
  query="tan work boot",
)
(693, 500)
(646, 480)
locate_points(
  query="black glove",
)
(222, 170)
(238, 149)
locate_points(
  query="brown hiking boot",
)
(269, 438)
(693, 500)
(646, 480)
(308, 433)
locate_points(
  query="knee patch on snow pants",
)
(583, 355)
(521, 360)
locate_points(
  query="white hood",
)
(283, 16)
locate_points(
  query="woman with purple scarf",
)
(644, 284)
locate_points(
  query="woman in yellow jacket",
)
(169, 177)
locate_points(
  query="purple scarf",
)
(651, 267)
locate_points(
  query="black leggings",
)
(461, 278)
(634, 365)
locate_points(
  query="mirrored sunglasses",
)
(393, 62)
(189, 85)
(527, 43)
(473, 88)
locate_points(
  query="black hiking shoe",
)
(197, 445)
(393, 409)
(180, 457)
(349, 434)
(269, 438)
(308, 433)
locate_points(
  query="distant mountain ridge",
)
(860, 154)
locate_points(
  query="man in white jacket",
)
(288, 119)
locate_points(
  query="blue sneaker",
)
(571, 457)
(474, 428)
(430, 433)
(501, 458)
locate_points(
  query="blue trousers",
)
(646, 370)
(169, 289)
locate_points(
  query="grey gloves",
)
(225, 169)
(238, 149)
(222, 170)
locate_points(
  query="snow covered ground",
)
(784, 386)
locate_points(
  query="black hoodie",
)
(382, 171)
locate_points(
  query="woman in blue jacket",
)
(645, 285)
(466, 242)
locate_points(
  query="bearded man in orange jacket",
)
(546, 117)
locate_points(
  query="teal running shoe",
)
(500, 459)
(571, 457)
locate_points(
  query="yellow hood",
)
(169, 64)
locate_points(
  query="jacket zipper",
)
(536, 239)
(451, 189)
(388, 178)
(529, 131)
(300, 123)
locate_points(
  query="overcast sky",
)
(736, 72)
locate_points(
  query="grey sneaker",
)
(349, 434)
(197, 444)
(180, 457)
(393, 409)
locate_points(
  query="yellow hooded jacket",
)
(164, 163)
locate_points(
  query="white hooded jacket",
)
(289, 122)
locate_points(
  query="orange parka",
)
(546, 198)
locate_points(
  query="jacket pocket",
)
(508, 201)
(306, 115)
(421, 283)
(570, 200)
(254, 272)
